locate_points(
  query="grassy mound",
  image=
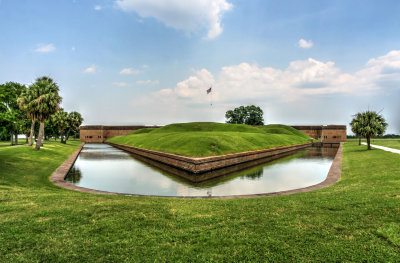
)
(199, 139)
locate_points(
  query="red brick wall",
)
(99, 133)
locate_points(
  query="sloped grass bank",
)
(356, 219)
(202, 139)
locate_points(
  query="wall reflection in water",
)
(103, 167)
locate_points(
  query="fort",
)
(325, 134)
(100, 133)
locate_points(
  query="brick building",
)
(100, 133)
(329, 133)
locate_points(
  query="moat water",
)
(106, 168)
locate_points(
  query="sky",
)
(150, 62)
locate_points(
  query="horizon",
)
(126, 62)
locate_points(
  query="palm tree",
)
(370, 124)
(45, 104)
(61, 120)
(355, 125)
(25, 102)
(75, 120)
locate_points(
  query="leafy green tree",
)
(61, 120)
(75, 121)
(27, 103)
(369, 124)
(45, 103)
(12, 119)
(356, 125)
(250, 115)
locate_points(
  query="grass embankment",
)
(201, 139)
(356, 219)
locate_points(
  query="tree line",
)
(23, 108)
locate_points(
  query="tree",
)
(12, 119)
(250, 115)
(75, 121)
(45, 103)
(355, 125)
(61, 120)
(26, 102)
(369, 124)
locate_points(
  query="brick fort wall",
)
(100, 133)
(329, 133)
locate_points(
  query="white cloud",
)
(73, 49)
(148, 82)
(129, 71)
(305, 44)
(45, 48)
(91, 69)
(301, 79)
(97, 7)
(189, 15)
(120, 84)
(145, 66)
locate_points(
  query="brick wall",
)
(100, 133)
(330, 133)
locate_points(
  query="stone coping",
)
(333, 176)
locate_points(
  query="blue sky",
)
(151, 61)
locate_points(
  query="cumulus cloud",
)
(129, 71)
(45, 48)
(91, 69)
(148, 82)
(97, 7)
(189, 15)
(305, 92)
(305, 44)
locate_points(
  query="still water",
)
(106, 168)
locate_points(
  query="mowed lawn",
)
(356, 219)
(392, 143)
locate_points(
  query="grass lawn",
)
(199, 139)
(356, 219)
(8, 143)
(392, 143)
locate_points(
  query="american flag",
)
(209, 90)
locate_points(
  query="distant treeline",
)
(386, 136)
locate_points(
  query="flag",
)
(209, 90)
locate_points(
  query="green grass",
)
(392, 143)
(201, 139)
(8, 143)
(355, 220)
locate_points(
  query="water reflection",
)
(74, 175)
(103, 167)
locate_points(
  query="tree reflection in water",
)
(74, 175)
(255, 174)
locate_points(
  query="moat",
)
(106, 168)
